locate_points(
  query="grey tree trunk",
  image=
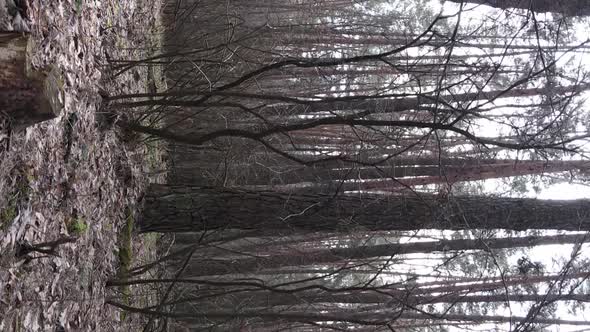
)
(169, 208)
(267, 300)
(565, 7)
(203, 267)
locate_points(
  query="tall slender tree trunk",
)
(202, 267)
(481, 172)
(380, 104)
(366, 318)
(169, 208)
(373, 178)
(268, 300)
(565, 7)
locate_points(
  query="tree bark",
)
(394, 179)
(565, 7)
(203, 267)
(169, 208)
(26, 96)
(268, 300)
(364, 318)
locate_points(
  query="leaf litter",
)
(67, 171)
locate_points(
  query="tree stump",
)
(27, 96)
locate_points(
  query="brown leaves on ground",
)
(64, 177)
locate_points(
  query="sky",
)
(558, 191)
(548, 255)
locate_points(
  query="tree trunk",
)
(268, 300)
(199, 166)
(382, 317)
(380, 104)
(481, 172)
(169, 208)
(394, 179)
(26, 96)
(565, 7)
(202, 267)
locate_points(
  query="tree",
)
(565, 7)
(26, 96)
(336, 256)
(369, 318)
(391, 179)
(344, 97)
(171, 208)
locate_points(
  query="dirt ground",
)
(75, 176)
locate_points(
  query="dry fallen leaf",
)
(72, 42)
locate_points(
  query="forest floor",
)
(73, 176)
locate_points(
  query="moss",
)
(7, 215)
(78, 6)
(76, 226)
